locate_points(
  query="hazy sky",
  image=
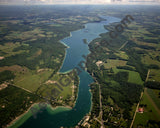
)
(79, 1)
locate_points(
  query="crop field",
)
(134, 77)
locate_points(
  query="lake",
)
(76, 48)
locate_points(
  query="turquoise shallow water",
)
(70, 117)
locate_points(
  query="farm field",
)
(150, 112)
(148, 60)
(154, 75)
(134, 77)
(122, 54)
(6, 50)
(155, 95)
(32, 80)
(111, 63)
(62, 89)
(31, 56)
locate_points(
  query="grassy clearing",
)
(146, 59)
(55, 25)
(33, 34)
(154, 94)
(14, 68)
(7, 49)
(61, 84)
(154, 75)
(134, 77)
(31, 80)
(36, 54)
(146, 44)
(121, 54)
(149, 112)
(140, 31)
(110, 100)
(111, 63)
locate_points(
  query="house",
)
(140, 110)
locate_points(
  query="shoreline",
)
(34, 104)
(48, 105)
(18, 117)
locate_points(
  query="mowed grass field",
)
(150, 111)
(134, 77)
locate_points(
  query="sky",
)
(79, 1)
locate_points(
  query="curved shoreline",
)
(87, 110)
(23, 115)
(11, 124)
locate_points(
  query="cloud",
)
(77, 1)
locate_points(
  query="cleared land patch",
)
(14, 68)
(134, 77)
(150, 113)
(146, 59)
(111, 63)
(60, 88)
(33, 34)
(31, 80)
(121, 54)
(7, 49)
(154, 94)
(154, 75)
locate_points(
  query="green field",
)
(122, 54)
(6, 50)
(154, 94)
(134, 77)
(111, 63)
(154, 75)
(149, 113)
(32, 80)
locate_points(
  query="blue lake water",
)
(76, 48)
